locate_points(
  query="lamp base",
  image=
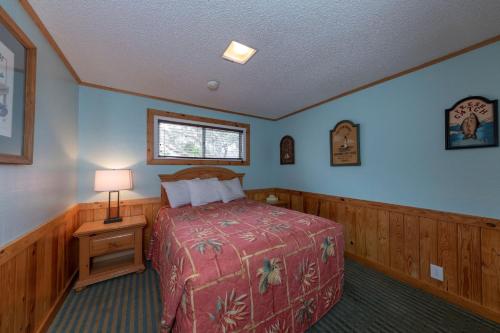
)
(113, 220)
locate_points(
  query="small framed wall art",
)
(17, 93)
(287, 150)
(344, 144)
(472, 123)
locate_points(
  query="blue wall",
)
(33, 194)
(402, 141)
(112, 134)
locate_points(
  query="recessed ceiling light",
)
(238, 52)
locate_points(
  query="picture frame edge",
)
(29, 107)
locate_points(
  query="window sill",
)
(184, 161)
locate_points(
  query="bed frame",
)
(197, 172)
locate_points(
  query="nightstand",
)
(109, 250)
(279, 203)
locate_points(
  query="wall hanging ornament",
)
(472, 123)
(287, 150)
(344, 144)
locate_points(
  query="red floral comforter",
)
(245, 266)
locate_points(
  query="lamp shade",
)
(112, 180)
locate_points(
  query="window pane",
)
(180, 140)
(221, 143)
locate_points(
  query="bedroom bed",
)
(243, 265)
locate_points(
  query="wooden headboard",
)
(197, 172)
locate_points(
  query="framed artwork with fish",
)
(344, 144)
(472, 123)
(17, 93)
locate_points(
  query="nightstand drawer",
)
(111, 242)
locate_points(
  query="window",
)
(175, 138)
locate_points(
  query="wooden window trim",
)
(186, 161)
(26, 157)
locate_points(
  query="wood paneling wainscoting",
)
(37, 270)
(403, 241)
(398, 240)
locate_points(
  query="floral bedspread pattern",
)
(245, 267)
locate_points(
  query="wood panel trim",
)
(425, 237)
(151, 159)
(164, 99)
(42, 266)
(34, 16)
(403, 242)
(327, 206)
(474, 307)
(150, 200)
(123, 203)
(448, 56)
(45, 32)
(479, 221)
(17, 245)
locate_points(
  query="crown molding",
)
(34, 16)
(45, 32)
(134, 93)
(399, 74)
(31, 12)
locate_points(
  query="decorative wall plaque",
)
(344, 144)
(472, 123)
(287, 150)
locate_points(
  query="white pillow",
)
(177, 192)
(203, 191)
(230, 190)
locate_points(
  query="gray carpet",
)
(372, 302)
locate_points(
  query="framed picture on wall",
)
(287, 150)
(344, 144)
(472, 123)
(17, 93)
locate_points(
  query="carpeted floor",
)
(372, 302)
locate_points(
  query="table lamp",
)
(113, 181)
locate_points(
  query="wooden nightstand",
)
(109, 250)
(278, 203)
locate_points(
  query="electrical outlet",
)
(437, 272)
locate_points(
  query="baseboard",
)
(451, 298)
(44, 326)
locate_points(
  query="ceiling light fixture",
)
(239, 53)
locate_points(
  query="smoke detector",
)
(212, 85)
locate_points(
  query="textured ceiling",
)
(307, 50)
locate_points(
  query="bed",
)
(244, 265)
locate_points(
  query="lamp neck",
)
(115, 218)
